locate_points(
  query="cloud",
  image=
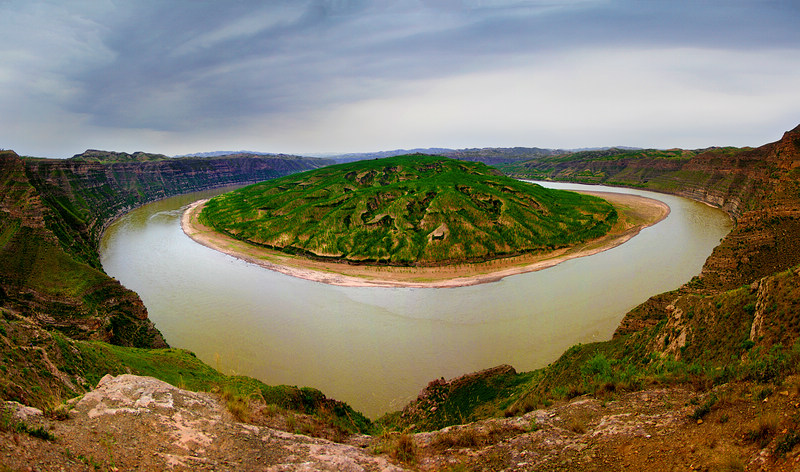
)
(639, 97)
(186, 68)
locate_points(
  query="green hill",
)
(407, 210)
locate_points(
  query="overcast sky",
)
(303, 77)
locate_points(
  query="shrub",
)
(704, 409)
(461, 437)
(405, 450)
(8, 423)
(787, 442)
(41, 432)
(763, 430)
(598, 368)
(576, 425)
(237, 405)
(731, 463)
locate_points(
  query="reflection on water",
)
(375, 348)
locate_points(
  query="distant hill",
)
(495, 156)
(491, 156)
(230, 153)
(96, 155)
(360, 156)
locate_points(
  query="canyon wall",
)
(53, 213)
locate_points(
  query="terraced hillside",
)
(407, 210)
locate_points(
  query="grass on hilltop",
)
(413, 210)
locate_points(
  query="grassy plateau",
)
(414, 210)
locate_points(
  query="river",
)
(376, 348)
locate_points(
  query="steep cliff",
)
(41, 279)
(91, 189)
(53, 212)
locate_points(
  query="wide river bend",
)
(376, 348)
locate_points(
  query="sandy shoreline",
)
(636, 213)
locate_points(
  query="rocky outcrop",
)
(758, 187)
(448, 402)
(141, 423)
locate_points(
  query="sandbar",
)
(635, 213)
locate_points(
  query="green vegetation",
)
(407, 210)
(477, 396)
(787, 442)
(8, 423)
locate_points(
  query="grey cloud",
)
(184, 64)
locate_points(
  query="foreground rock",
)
(140, 423)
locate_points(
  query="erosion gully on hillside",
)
(413, 210)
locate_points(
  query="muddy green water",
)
(376, 348)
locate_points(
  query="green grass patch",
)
(9, 423)
(406, 211)
(183, 369)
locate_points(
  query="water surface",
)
(376, 348)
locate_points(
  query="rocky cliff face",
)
(40, 276)
(92, 189)
(766, 204)
(53, 212)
